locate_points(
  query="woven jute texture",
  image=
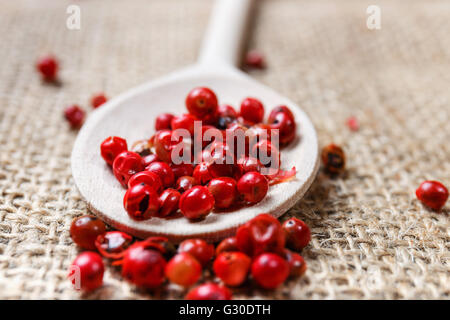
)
(371, 238)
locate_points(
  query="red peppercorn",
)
(226, 245)
(125, 165)
(199, 249)
(270, 270)
(163, 121)
(248, 164)
(255, 59)
(261, 234)
(297, 233)
(252, 110)
(209, 291)
(164, 172)
(142, 147)
(163, 145)
(141, 202)
(297, 265)
(221, 161)
(75, 116)
(226, 115)
(85, 229)
(253, 187)
(146, 177)
(113, 244)
(111, 147)
(268, 155)
(98, 99)
(353, 123)
(143, 266)
(185, 121)
(260, 132)
(86, 271)
(286, 126)
(48, 67)
(196, 203)
(433, 194)
(201, 173)
(232, 267)
(182, 169)
(183, 269)
(201, 102)
(333, 158)
(149, 159)
(224, 191)
(226, 110)
(282, 109)
(168, 200)
(185, 183)
(166, 247)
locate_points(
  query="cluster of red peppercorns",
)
(48, 67)
(259, 252)
(216, 176)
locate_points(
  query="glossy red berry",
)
(184, 121)
(252, 110)
(86, 271)
(260, 132)
(125, 165)
(248, 164)
(201, 102)
(111, 147)
(149, 159)
(199, 249)
(261, 234)
(48, 67)
(164, 172)
(433, 194)
(227, 244)
(280, 109)
(141, 202)
(185, 183)
(253, 187)
(297, 265)
(226, 110)
(226, 115)
(85, 229)
(75, 116)
(221, 161)
(183, 269)
(333, 159)
(163, 121)
(270, 270)
(143, 266)
(255, 59)
(98, 99)
(286, 126)
(224, 191)
(353, 123)
(268, 154)
(182, 169)
(113, 244)
(209, 291)
(297, 234)
(146, 177)
(232, 268)
(163, 145)
(201, 173)
(196, 203)
(168, 200)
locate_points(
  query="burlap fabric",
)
(371, 237)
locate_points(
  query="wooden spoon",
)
(132, 115)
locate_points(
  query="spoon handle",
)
(225, 33)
